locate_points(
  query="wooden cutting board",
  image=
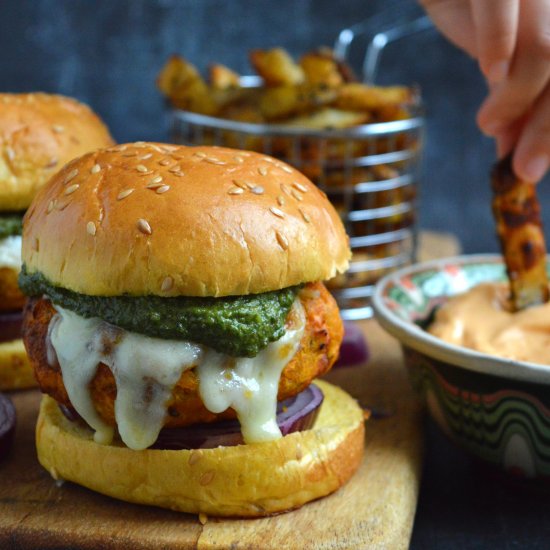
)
(376, 509)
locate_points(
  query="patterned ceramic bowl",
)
(498, 409)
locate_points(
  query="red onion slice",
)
(354, 349)
(295, 414)
(10, 325)
(7, 424)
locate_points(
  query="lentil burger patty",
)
(317, 352)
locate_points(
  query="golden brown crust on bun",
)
(16, 372)
(39, 133)
(317, 353)
(172, 220)
(11, 297)
(245, 480)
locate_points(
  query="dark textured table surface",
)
(465, 505)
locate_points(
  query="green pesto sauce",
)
(240, 326)
(11, 223)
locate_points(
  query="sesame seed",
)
(178, 174)
(236, 191)
(119, 148)
(145, 157)
(58, 129)
(194, 457)
(129, 154)
(300, 187)
(276, 212)
(91, 228)
(168, 148)
(61, 205)
(250, 185)
(51, 206)
(280, 200)
(238, 160)
(285, 168)
(165, 162)
(257, 190)
(162, 189)
(213, 160)
(10, 152)
(297, 195)
(174, 169)
(52, 163)
(200, 154)
(167, 284)
(70, 176)
(285, 188)
(144, 227)
(139, 144)
(154, 185)
(95, 169)
(240, 184)
(282, 240)
(124, 194)
(71, 189)
(156, 179)
(141, 168)
(262, 170)
(306, 217)
(207, 477)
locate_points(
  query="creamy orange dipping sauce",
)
(480, 319)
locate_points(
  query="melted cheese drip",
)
(146, 370)
(10, 252)
(250, 385)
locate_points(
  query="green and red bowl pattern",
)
(497, 409)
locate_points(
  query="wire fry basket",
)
(370, 173)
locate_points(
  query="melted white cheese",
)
(250, 385)
(10, 252)
(146, 370)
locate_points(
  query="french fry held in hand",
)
(517, 214)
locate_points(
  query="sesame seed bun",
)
(245, 480)
(172, 220)
(39, 133)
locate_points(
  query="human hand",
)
(511, 41)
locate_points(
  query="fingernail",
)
(536, 167)
(498, 71)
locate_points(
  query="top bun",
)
(170, 220)
(39, 133)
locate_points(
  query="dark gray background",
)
(108, 52)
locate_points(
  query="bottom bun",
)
(245, 480)
(16, 372)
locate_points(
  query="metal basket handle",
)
(378, 41)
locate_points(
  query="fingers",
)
(454, 19)
(529, 73)
(532, 156)
(496, 24)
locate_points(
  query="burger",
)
(39, 133)
(176, 320)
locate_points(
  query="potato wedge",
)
(517, 214)
(276, 67)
